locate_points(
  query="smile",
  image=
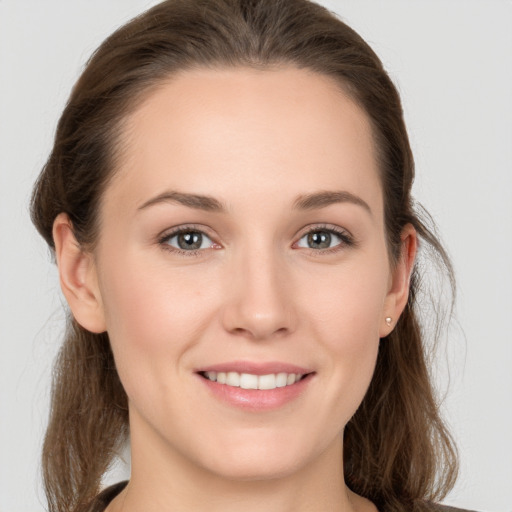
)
(251, 381)
(256, 386)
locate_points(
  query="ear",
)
(78, 278)
(398, 293)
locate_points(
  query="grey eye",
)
(320, 239)
(190, 241)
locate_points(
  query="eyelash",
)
(345, 237)
(163, 241)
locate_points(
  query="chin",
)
(258, 460)
(255, 470)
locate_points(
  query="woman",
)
(228, 199)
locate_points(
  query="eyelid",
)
(166, 233)
(164, 237)
(347, 239)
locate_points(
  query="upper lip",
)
(255, 368)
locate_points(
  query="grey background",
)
(452, 63)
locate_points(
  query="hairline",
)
(144, 90)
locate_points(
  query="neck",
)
(163, 480)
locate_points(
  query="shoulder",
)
(101, 502)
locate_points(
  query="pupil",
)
(190, 240)
(319, 239)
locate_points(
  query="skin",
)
(257, 291)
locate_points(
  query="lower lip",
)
(257, 399)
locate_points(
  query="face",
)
(242, 245)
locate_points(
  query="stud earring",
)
(389, 320)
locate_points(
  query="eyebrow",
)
(196, 201)
(322, 199)
(311, 201)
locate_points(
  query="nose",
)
(259, 297)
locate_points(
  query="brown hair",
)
(397, 450)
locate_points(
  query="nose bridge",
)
(258, 301)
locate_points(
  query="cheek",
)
(346, 321)
(347, 305)
(153, 317)
(141, 297)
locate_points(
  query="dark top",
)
(104, 498)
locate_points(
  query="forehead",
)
(254, 131)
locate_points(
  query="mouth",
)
(256, 386)
(252, 381)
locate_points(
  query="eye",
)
(325, 238)
(186, 240)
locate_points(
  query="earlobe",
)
(398, 294)
(78, 278)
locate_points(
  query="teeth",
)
(233, 379)
(268, 381)
(250, 381)
(281, 379)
